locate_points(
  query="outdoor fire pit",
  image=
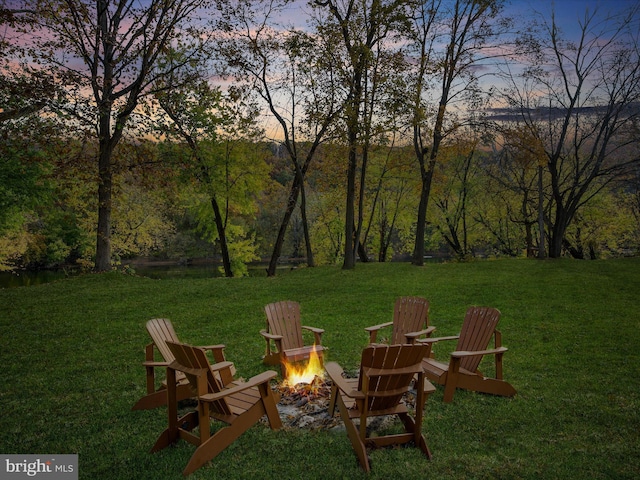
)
(305, 394)
(305, 405)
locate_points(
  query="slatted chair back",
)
(478, 327)
(386, 374)
(196, 365)
(410, 314)
(161, 330)
(283, 318)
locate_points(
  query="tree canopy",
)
(380, 129)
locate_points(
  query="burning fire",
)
(300, 373)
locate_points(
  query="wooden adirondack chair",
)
(161, 330)
(239, 405)
(386, 374)
(462, 370)
(410, 321)
(284, 336)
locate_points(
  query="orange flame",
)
(300, 373)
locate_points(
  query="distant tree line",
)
(383, 129)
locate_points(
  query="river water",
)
(28, 278)
(160, 271)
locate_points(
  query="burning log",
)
(302, 393)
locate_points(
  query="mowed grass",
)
(71, 355)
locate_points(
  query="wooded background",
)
(327, 131)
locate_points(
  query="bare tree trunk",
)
(222, 238)
(103, 240)
(277, 246)
(350, 241)
(425, 192)
(557, 233)
(362, 248)
(541, 242)
(305, 227)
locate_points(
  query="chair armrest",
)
(155, 364)
(213, 347)
(377, 327)
(438, 339)
(149, 350)
(270, 336)
(216, 367)
(216, 350)
(317, 333)
(493, 351)
(252, 382)
(415, 335)
(335, 374)
(373, 331)
(313, 329)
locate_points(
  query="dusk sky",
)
(568, 12)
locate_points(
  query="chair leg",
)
(269, 400)
(414, 427)
(332, 400)
(171, 434)
(354, 436)
(490, 386)
(451, 380)
(499, 366)
(449, 390)
(424, 447)
(151, 400)
(175, 423)
(159, 398)
(224, 437)
(164, 440)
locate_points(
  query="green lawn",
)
(71, 357)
